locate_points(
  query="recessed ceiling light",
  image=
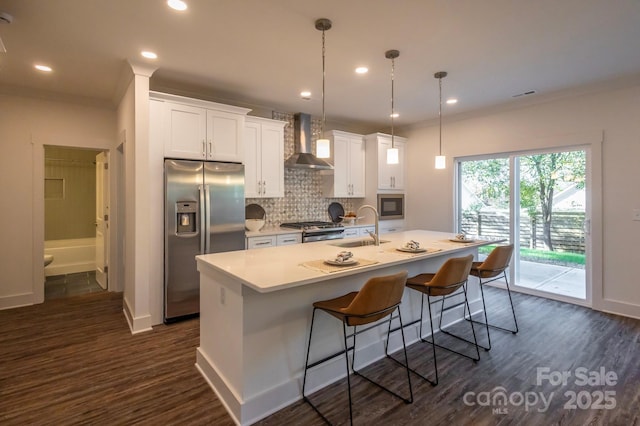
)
(149, 55)
(177, 5)
(362, 70)
(43, 68)
(305, 95)
(452, 101)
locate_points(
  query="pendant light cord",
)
(393, 62)
(323, 77)
(440, 114)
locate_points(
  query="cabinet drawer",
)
(365, 230)
(351, 232)
(286, 239)
(261, 242)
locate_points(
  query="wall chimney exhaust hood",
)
(303, 157)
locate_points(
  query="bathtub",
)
(70, 256)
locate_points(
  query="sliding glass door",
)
(537, 202)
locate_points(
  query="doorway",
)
(76, 200)
(537, 201)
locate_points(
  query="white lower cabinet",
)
(388, 226)
(364, 231)
(351, 232)
(265, 241)
(262, 242)
(287, 239)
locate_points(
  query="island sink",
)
(358, 243)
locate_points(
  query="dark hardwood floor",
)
(74, 361)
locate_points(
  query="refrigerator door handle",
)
(203, 213)
(207, 220)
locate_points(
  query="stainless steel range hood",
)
(303, 157)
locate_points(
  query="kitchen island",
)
(256, 305)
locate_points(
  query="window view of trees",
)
(545, 180)
(542, 175)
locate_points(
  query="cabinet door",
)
(261, 242)
(252, 160)
(390, 176)
(185, 131)
(288, 239)
(341, 164)
(224, 136)
(364, 231)
(272, 160)
(398, 169)
(385, 180)
(351, 232)
(357, 167)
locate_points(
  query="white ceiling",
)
(264, 52)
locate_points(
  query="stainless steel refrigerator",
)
(204, 213)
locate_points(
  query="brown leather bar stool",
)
(449, 281)
(493, 268)
(378, 298)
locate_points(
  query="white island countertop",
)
(279, 268)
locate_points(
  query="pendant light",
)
(441, 162)
(392, 153)
(323, 146)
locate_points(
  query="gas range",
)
(317, 230)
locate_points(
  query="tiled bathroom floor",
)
(59, 286)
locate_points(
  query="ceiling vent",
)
(527, 93)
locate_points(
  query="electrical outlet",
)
(636, 214)
(223, 295)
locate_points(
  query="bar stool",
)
(449, 281)
(378, 298)
(493, 268)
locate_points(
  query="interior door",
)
(102, 218)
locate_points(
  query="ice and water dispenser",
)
(186, 217)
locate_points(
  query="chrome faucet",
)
(376, 236)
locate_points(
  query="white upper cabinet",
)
(200, 130)
(347, 179)
(224, 136)
(185, 131)
(264, 158)
(389, 176)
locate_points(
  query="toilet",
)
(48, 258)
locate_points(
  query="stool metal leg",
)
(486, 321)
(474, 342)
(306, 367)
(346, 359)
(406, 365)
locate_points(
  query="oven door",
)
(322, 236)
(391, 206)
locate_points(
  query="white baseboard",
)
(136, 324)
(16, 301)
(620, 308)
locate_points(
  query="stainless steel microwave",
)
(391, 206)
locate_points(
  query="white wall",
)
(26, 125)
(614, 113)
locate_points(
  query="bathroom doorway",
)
(76, 194)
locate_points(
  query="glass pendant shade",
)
(323, 148)
(441, 162)
(392, 156)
